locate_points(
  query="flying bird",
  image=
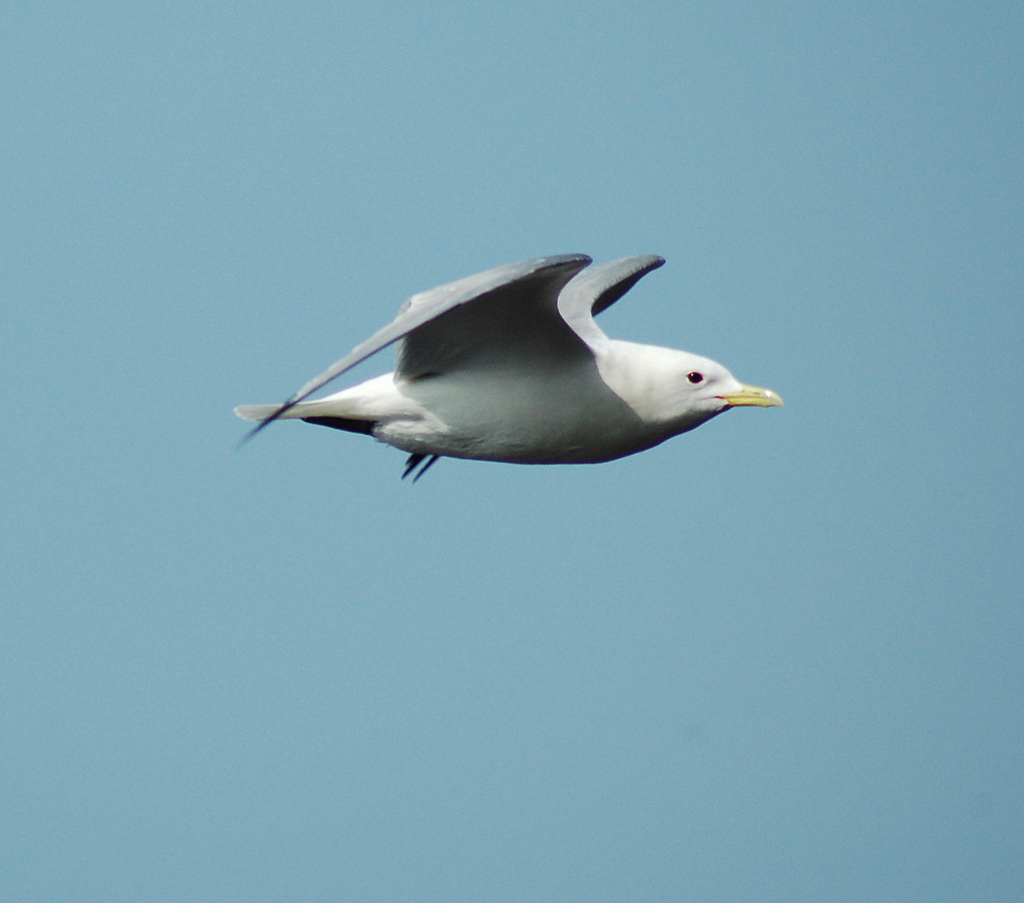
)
(509, 365)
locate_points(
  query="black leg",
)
(411, 463)
(426, 467)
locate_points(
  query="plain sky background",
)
(776, 659)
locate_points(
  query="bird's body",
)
(509, 365)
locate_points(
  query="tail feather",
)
(256, 412)
(300, 411)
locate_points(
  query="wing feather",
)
(598, 288)
(531, 279)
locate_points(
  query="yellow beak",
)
(755, 396)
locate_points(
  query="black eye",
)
(695, 377)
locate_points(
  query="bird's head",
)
(705, 386)
(679, 389)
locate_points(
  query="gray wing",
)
(440, 334)
(513, 326)
(598, 288)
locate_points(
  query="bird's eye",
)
(695, 377)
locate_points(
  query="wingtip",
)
(250, 435)
(265, 414)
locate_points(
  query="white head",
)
(675, 388)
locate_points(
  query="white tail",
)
(332, 406)
(258, 412)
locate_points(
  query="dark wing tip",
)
(625, 273)
(263, 424)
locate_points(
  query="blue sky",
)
(778, 658)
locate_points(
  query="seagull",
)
(509, 365)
